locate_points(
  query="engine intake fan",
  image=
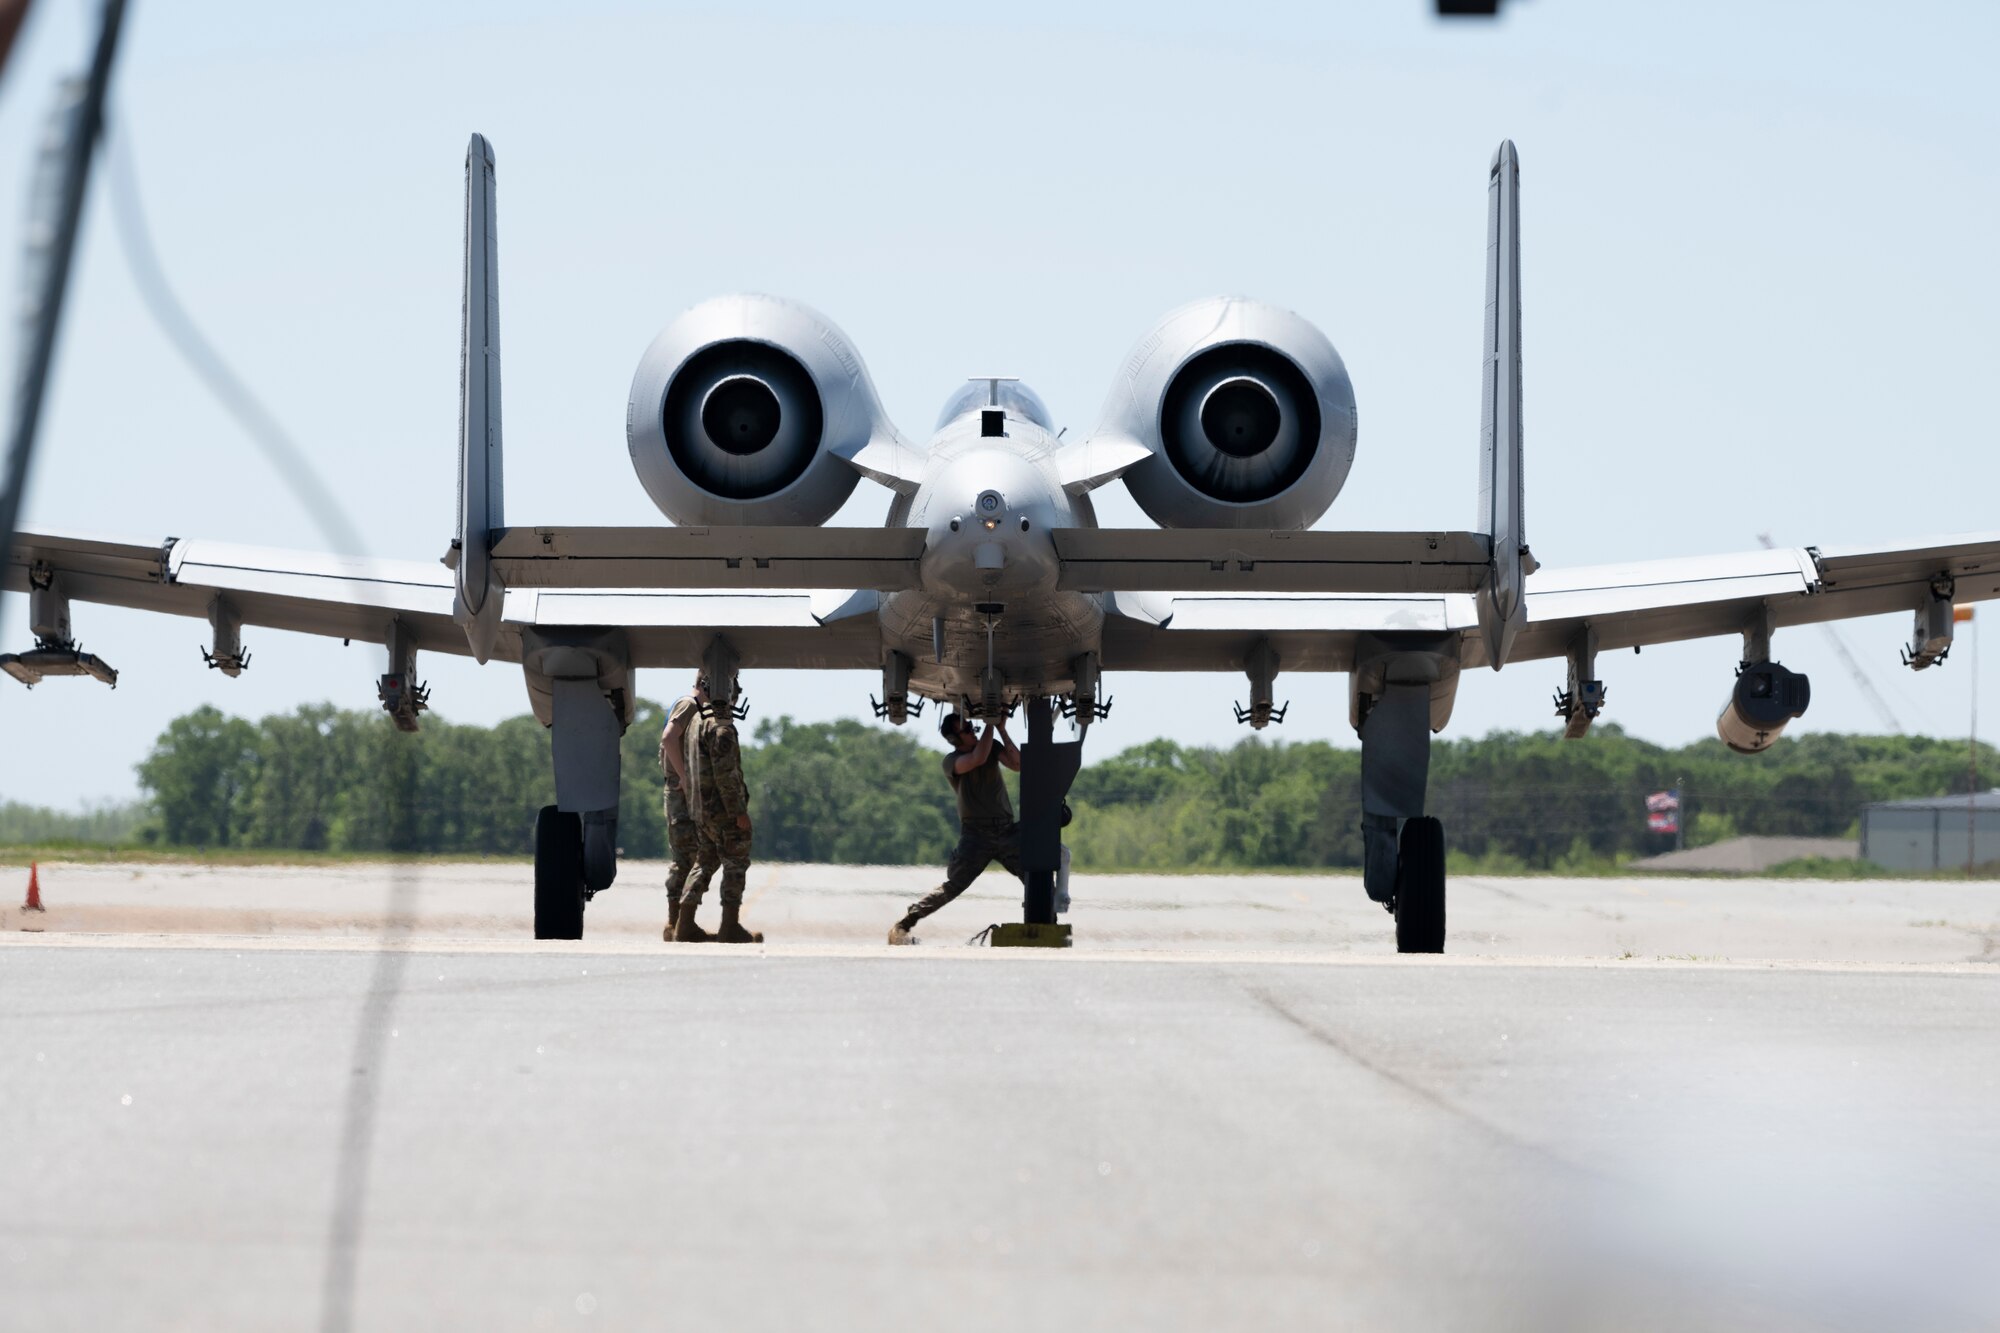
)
(743, 420)
(1240, 423)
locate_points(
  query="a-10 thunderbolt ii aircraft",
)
(990, 586)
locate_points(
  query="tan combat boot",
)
(900, 933)
(732, 931)
(673, 916)
(686, 930)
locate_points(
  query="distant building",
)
(1931, 834)
(1747, 856)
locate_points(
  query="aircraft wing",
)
(1647, 602)
(310, 593)
(1245, 562)
(1205, 631)
(781, 556)
(1666, 601)
(357, 598)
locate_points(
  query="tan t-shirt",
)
(982, 793)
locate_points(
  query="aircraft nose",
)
(989, 519)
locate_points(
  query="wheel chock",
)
(1017, 935)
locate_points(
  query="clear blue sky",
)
(1760, 284)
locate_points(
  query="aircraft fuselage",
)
(988, 504)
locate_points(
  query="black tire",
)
(558, 875)
(1420, 887)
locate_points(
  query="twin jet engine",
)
(747, 410)
(1247, 411)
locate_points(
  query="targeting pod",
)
(1766, 697)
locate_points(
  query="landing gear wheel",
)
(558, 875)
(1420, 887)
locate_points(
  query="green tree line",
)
(320, 778)
(1508, 800)
(110, 824)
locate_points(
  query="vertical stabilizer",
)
(1502, 603)
(480, 512)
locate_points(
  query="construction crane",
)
(1854, 667)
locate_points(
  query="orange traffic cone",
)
(34, 903)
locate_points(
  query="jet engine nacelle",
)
(746, 410)
(1247, 411)
(1766, 697)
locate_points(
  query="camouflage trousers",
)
(720, 843)
(980, 844)
(682, 839)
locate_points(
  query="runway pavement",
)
(1313, 916)
(1230, 1106)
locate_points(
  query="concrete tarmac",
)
(1643, 917)
(1710, 1104)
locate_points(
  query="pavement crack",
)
(1497, 1132)
(1496, 890)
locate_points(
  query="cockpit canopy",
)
(1014, 397)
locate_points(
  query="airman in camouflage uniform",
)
(987, 831)
(682, 836)
(719, 800)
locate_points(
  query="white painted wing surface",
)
(337, 596)
(1310, 632)
(1666, 601)
(357, 598)
(1645, 602)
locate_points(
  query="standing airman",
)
(719, 801)
(682, 836)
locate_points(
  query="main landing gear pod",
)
(1403, 848)
(579, 683)
(1401, 691)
